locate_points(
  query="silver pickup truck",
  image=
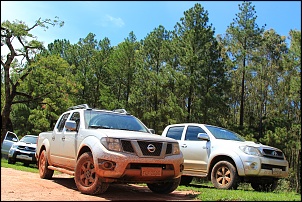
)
(99, 147)
(225, 158)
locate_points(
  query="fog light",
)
(254, 166)
(181, 167)
(107, 165)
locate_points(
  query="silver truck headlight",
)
(112, 144)
(250, 150)
(175, 148)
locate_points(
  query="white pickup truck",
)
(225, 158)
(99, 147)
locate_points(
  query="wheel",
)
(185, 180)
(44, 172)
(224, 176)
(265, 187)
(86, 179)
(11, 161)
(164, 187)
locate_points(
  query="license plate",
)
(151, 171)
(277, 171)
(23, 157)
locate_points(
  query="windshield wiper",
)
(94, 126)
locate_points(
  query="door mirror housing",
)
(203, 136)
(71, 125)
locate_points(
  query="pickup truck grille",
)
(27, 148)
(144, 145)
(271, 153)
(270, 167)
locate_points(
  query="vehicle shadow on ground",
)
(131, 192)
(200, 186)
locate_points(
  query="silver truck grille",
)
(147, 148)
(271, 153)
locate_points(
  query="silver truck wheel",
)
(164, 187)
(11, 161)
(224, 176)
(44, 172)
(265, 187)
(86, 179)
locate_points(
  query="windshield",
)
(222, 133)
(99, 119)
(29, 139)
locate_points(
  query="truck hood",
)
(233, 143)
(25, 144)
(135, 135)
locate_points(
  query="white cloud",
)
(115, 21)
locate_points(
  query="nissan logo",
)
(151, 148)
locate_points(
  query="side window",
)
(62, 122)
(175, 132)
(11, 136)
(192, 133)
(75, 117)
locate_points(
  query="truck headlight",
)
(14, 146)
(250, 150)
(111, 144)
(175, 148)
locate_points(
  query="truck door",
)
(56, 150)
(69, 143)
(195, 151)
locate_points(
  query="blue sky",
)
(116, 19)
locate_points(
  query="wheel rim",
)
(87, 174)
(42, 162)
(223, 176)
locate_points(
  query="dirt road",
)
(25, 186)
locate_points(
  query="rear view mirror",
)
(71, 125)
(203, 136)
(15, 140)
(152, 130)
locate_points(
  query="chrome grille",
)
(271, 153)
(127, 147)
(169, 149)
(27, 148)
(147, 152)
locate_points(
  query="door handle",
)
(53, 137)
(63, 138)
(184, 146)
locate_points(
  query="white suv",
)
(225, 158)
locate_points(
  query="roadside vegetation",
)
(203, 190)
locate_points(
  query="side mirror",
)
(203, 136)
(152, 130)
(15, 140)
(71, 125)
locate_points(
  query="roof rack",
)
(123, 111)
(82, 106)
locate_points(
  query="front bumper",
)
(265, 167)
(22, 156)
(131, 168)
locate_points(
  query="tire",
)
(164, 187)
(185, 180)
(224, 175)
(265, 187)
(11, 161)
(86, 179)
(44, 172)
